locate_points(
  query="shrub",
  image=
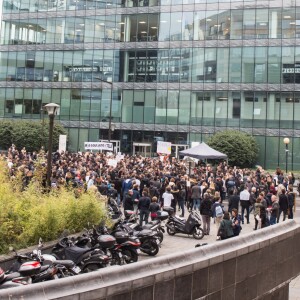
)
(27, 215)
(241, 148)
(29, 134)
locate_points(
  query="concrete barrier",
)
(258, 265)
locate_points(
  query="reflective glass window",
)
(149, 109)
(164, 27)
(274, 65)
(261, 64)
(249, 24)
(222, 64)
(212, 25)
(288, 23)
(260, 110)
(262, 24)
(127, 101)
(236, 19)
(209, 99)
(248, 64)
(161, 107)
(172, 107)
(197, 100)
(221, 108)
(184, 107)
(198, 65)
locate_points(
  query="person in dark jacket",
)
(233, 201)
(283, 205)
(143, 206)
(181, 198)
(128, 201)
(225, 230)
(236, 222)
(154, 208)
(206, 213)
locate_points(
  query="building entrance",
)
(143, 149)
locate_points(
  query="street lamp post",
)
(286, 141)
(110, 106)
(52, 109)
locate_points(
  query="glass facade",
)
(181, 69)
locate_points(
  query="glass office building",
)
(181, 70)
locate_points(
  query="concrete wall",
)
(259, 265)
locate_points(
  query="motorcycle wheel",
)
(131, 256)
(160, 236)
(171, 231)
(198, 233)
(150, 248)
(116, 260)
(91, 268)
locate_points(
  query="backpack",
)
(230, 183)
(219, 211)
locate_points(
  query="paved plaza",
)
(181, 242)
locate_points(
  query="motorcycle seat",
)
(144, 232)
(74, 253)
(11, 276)
(150, 224)
(67, 263)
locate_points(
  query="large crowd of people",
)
(153, 183)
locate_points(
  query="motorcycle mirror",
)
(40, 243)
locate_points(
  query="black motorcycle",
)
(150, 242)
(88, 259)
(191, 226)
(155, 225)
(124, 250)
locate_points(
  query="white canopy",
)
(203, 151)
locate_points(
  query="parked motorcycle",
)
(113, 209)
(155, 225)
(191, 226)
(150, 242)
(51, 268)
(88, 259)
(124, 250)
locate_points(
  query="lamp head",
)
(112, 127)
(286, 140)
(51, 108)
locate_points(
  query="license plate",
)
(76, 270)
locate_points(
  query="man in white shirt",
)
(167, 197)
(245, 203)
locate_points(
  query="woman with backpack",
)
(217, 212)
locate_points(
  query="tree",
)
(241, 148)
(29, 134)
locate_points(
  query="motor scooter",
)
(191, 226)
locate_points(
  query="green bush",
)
(25, 216)
(241, 148)
(29, 134)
